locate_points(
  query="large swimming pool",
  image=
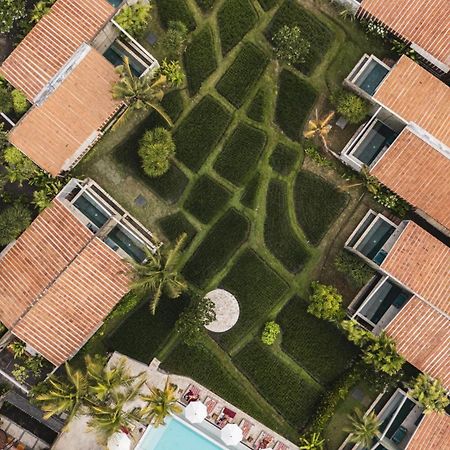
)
(176, 435)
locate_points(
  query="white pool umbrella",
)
(231, 434)
(119, 441)
(195, 412)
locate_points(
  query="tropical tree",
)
(41, 8)
(313, 442)
(10, 12)
(429, 393)
(3, 137)
(381, 352)
(19, 100)
(134, 18)
(13, 220)
(173, 42)
(349, 105)
(319, 128)
(325, 302)
(173, 72)
(290, 45)
(19, 168)
(355, 333)
(363, 428)
(6, 101)
(158, 274)
(17, 348)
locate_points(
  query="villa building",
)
(66, 68)
(405, 143)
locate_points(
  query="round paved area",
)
(227, 310)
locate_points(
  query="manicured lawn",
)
(279, 236)
(295, 99)
(206, 199)
(174, 10)
(259, 107)
(318, 204)
(315, 344)
(235, 19)
(283, 158)
(257, 288)
(173, 103)
(249, 196)
(243, 74)
(200, 59)
(176, 224)
(200, 131)
(291, 392)
(222, 241)
(240, 154)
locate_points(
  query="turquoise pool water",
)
(175, 436)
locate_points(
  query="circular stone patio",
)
(227, 310)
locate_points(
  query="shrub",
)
(270, 333)
(325, 302)
(205, 5)
(175, 11)
(352, 107)
(173, 72)
(260, 105)
(430, 393)
(290, 45)
(312, 152)
(156, 149)
(240, 154)
(134, 18)
(174, 40)
(175, 225)
(13, 220)
(234, 20)
(173, 104)
(243, 74)
(10, 12)
(6, 101)
(250, 194)
(283, 159)
(358, 272)
(19, 168)
(20, 103)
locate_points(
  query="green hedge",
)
(205, 5)
(317, 345)
(240, 154)
(295, 99)
(206, 199)
(250, 194)
(257, 288)
(216, 249)
(174, 225)
(283, 158)
(289, 391)
(234, 20)
(279, 236)
(259, 107)
(173, 103)
(200, 131)
(318, 204)
(175, 10)
(291, 13)
(243, 74)
(200, 59)
(267, 5)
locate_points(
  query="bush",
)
(19, 101)
(6, 101)
(352, 107)
(200, 59)
(279, 236)
(219, 245)
(10, 12)
(325, 302)
(250, 194)
(13, 220)
(260, 105)
(283, 159)
(173, 41)
(172, 72)
(318, 204)
(175, 11)
(205, 5)
(200, 131)
(312, 151)
(206, 199)
(290, 45)
(173, 104)
(240, 154)
(295, 99)
(234, 20)
(270, 333)
(430, 393)
(134, 18)
(156, 149)
(19, 168)
(175, 225)
(358, 272)
(243, 74)
(267, 5)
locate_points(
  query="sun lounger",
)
(226, 416)
(210, 404)
(191, 393)
(246, 427)
(264, 440)
(280, 446)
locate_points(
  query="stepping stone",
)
(357, 394)
(151, 38)
(140, 201)
(341, 122)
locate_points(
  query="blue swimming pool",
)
(176, 435)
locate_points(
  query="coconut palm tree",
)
(381, 352)
(160, 403)
(429, 393)
(145, 92)
(319, 127)
(363, 428)
(158, 274)
(313, 442)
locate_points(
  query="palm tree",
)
(363, 427)
(158, 274)
(160, 403)
(314, 442)
(319, 128)
(145, 92)
(429, 393)
(382, 354)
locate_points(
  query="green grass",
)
(200, 131)
(295, 99)
(240, 154)
(173, 103)
(176, 224)
(259, 107)
(243, 74)
(234, 20)
(291, 13)
(205, 5)
(318, 204)
(283, 158)
(317, 345)
(175, 10)
(290, 391)
(200, 59)
(250, 194)
(279, 236)
(206, 199)
(219, 245)
(257, 288)
(267, 5)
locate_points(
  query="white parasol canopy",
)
(119, 441)
(195, 412)
(231, 434)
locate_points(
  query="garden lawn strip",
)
(216, 249)
(279, 236)
(257, 287)
(285, 387)
(267, 5)
(173, 104)
(175, 10)
(200, 59)
(250, 194)
(259, 106)
(240, 154)
(295, 99)
(205, 5)
(283, 158)
(176, 224)
(291, 13)
(206, 199)
(318, 204)
(317, 345)
(234, 20)
(243, 74)
(200, 131)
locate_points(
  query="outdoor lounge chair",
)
(280, 446)
(246, 427)
(210, 404)
(226, 416)
(191, 393)
(264, 440)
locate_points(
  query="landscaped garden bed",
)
(284, 158)
(175, 10)
(175, 225)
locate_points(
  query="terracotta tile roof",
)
(418, 173)
(56, 132)
(424, 22)
(53, 41)
(417, 96)
(433, 433)
(57, 283)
